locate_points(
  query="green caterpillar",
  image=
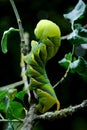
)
(48, 34)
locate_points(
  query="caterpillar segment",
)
(36, 60)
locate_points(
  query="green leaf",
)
(68, 56)
(76, 12)
(5, 96)
(66, 60)
(14, 126)
(78, 36)
(21, 94)
(78, 66)
(12, 93)
(5, 37)
(3, 100)
(15, 110)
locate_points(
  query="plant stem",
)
(7, 120)
(21, 32)
(62, 79)
(18, 21)
(12, 86)
(67, 71)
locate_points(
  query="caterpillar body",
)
(48, 34)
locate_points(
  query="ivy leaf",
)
(14, 126)
(21, 94)
(3, 100)
(5, 96)
(78, 66)
(76, 12)
(78, 36)
(5, 37)
(66, 60)
(15, 110)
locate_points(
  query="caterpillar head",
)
(46, 28)
(49, 34)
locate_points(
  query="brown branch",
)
(32, 117)
(63, 112)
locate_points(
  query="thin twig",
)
(18, 21)
(65, 37)
(63, 78)
(21, 31)
(12, 86)
(23, 71)
(67, 71)
(7, 120)
(1, 116)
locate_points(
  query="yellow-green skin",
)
(48, 34)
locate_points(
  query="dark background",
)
(73, 90)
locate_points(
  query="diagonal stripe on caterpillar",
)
(48, 34)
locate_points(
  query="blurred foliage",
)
(73, 89)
